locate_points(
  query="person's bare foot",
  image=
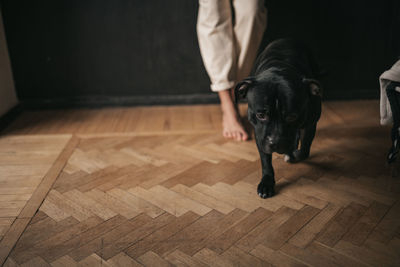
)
(231, 124)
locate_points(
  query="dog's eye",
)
(262, 116)
(291, 117)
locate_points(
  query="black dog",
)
(284, 105)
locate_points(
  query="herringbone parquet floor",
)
(161, 187)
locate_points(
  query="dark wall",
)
(355, 41)
(129, 49)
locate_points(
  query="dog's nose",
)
(272, 142)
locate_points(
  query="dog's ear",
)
(242, 88)
(314, 86)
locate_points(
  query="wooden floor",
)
(159, 186)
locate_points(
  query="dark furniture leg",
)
(394, 100)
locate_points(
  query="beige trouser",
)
(229, 50)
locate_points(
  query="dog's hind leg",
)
(306, 141)
(306, 138)
(291, 157)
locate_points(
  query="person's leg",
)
(217, 47)
(249, 28)
(231, 123)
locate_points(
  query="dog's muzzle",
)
(281, 146)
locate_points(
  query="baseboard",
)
(351, 95)
(10, 116)
(103, 101)
(211, 98)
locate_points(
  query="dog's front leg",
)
(267, 184)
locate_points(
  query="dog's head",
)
(278, 102)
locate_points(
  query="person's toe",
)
(234, 136)
(238, 136)
(243, 136)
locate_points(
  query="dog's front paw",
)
(296, 156)
(266, 189)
